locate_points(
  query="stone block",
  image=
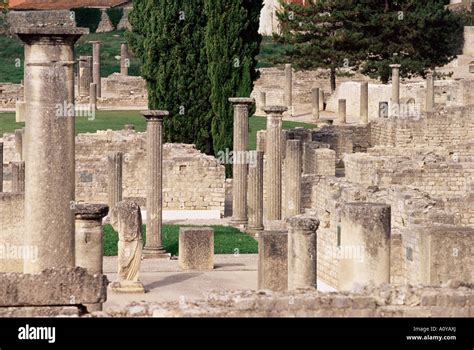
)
(196, 248)
(273, 260)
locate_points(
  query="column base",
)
(241, 223)
(254, 231)
(155, 253)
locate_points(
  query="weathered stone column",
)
(365, 245)
(255, 188)
(263, 100)
(96, 66)
(154, 196)
(273, 152)
(315, 103)
(430, 93)
(261, 140)
(321, 100)
(19, 142)
(293, 166)
(342, 112)
(20, 111)
(88, 240)
(124, 59)
(85, 75)
(1, 167)
(240, 166)
(93, 97)
(364, 103)
(273, 260)
(18, 177)
(395, 105)
(114, 164)
(49, 187)
(302, 252)
(289, 88)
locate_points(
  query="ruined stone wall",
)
(386, 301)
(11, 231)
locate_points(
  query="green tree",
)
(232, 44)
(168, 36)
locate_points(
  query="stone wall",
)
(385, 301)
(468, 41)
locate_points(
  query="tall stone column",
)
(263, 100)
(18, 177)
(1, 167)
(255, 188)
(293, 164)
(261, 140)
(49, 187)
(273, 152)
(315, 103)
(124, 59)
(154, 196)
(395, 105)
(240, 166)
(96, 66)
(342, 112)
(85, 75)
(89, 241)
(19, 143)
(289, 87)
(115, 164)
(93, 97)
(302, 252)
(364, 103)
(321, 100)
(430, 93)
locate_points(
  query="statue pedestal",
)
(127, 287)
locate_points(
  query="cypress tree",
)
(168, 36)
(232, 44)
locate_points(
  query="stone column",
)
(93, 97)
(255, 188)
(321, 100)
(114, 164)
(20, 111)
(365, 235)
(342, 114)
(273, 261)
(430, 93)
(88, 240)
(49, 185)
(364, 103)
(395, 105)
(19, 142)
(1, 167)
(289, 88)
(273, 152)
(124, 59)
(315, 103)
(85, 75)
(293, 164)
(263, 100)
(18, 177)
(96, 66)
(240, 166)
(261, 140)
(302, 252)
(154, 196)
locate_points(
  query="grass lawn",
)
(115, 120)
(227, 240)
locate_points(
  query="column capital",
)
(95, 42)
(246, 101)
(395, 66)
(275, 110)
(86, 211)
(154, 115)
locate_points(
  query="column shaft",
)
(1, 167)
(364, 103)
(395, 106)
(18, 177)
(315, 103)
(288, 86)
(293, 166)
(124, 59)
(342, 112)
(430, 94)
(255, 188)
(115, 166)
(96, 66)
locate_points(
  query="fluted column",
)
(364, 103)
(154, 198)
(302, 253)
(273, 152)
(240, 166)
(124, 59)
(289, 88)
(115, 165)
(293, 163)
(255, 188)
(93, 97)
(18, 177)
(85, 75)
(96, 66)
